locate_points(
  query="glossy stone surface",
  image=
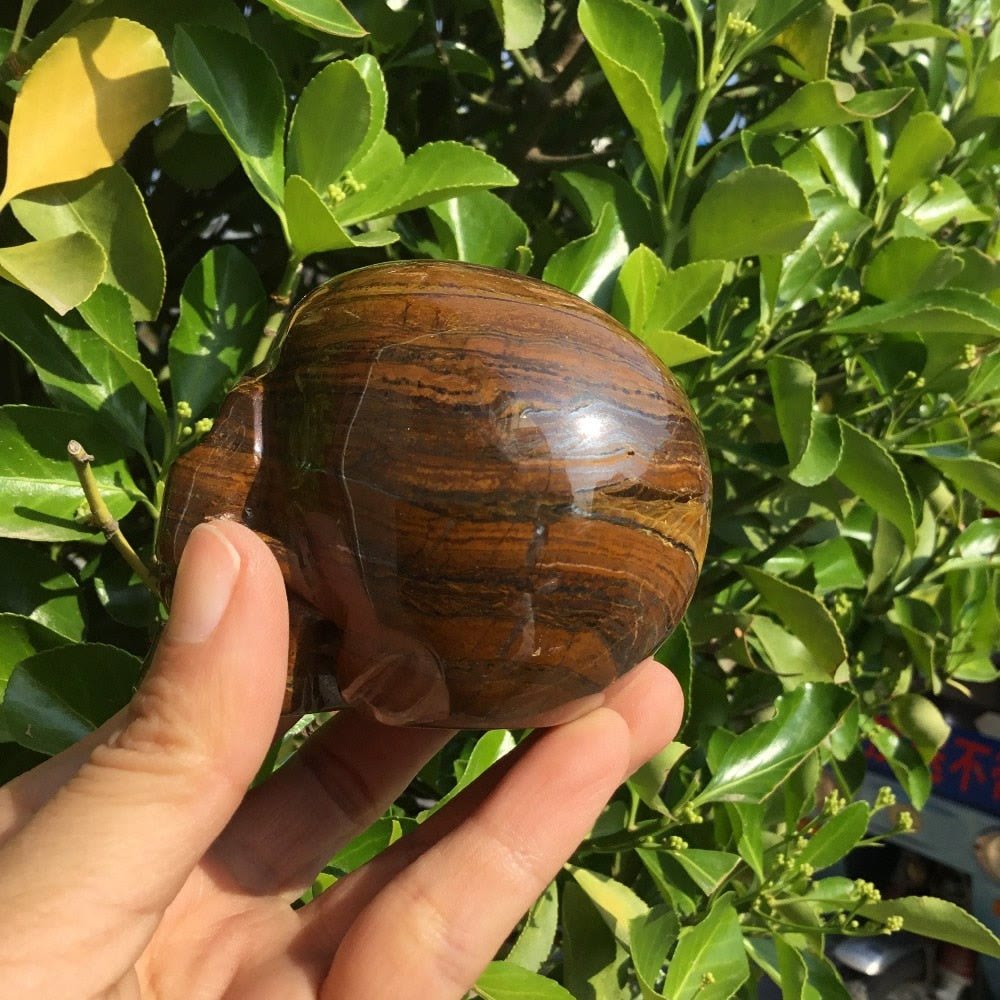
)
(488, 499)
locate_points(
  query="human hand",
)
(136, 864)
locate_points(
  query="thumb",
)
(113, 847)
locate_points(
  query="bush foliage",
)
(792, 202)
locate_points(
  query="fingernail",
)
(206, 577)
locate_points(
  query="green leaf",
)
(806, 272)
(121, 593)
(804, 615)
(752, 212)
(521, 21)
(871, 472)
(836, 837)
(80, 370)
(651, 937)
(328, 16)
(330, 124)
(57, 697)
(629, 47)
(921, 721)
(788, 656)
(616, 903)
(589, 266)
(749, 828)
(944, 310)
(240, 89)
(39, 491)
(647, 782)
(62, 272)
(83, 101)
(40, 590)
(938, 919)
(589, 188)
(433, 173)
(223, 305)
(674, 349)
(933, 205)
(715, 945)
(817, 105)
(313, 228)
(489, 748)
(967, 471)
(20, 637)
(536, 938)
(591, 953)
(812, 439)
(479, 228)
(760, 759)
(366, 845)
(808, 41)
(919, 150)
(508, 981)
(109, 208)
(907, 765)
(843, 161)
(708, 869)
(107, 313)
(909, 265)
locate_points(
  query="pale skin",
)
(135, 864)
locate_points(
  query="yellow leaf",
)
(62, 272)
(82, 103)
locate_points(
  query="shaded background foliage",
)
(793, 202)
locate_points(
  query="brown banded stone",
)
(488, 498)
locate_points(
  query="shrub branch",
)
(108, 524)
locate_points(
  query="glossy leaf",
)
(330, 124)
(909, 768)
(674, 349)
(83, 101)
(20, 637)
(107, 313)
(945, 310)
(591, 953)
(919, 150)
(433, 173)
(812, 439)
(589, 266)
(908, 266)
(921, 721)
(871, 472)
(932, 205)
(708, 869)
(478, 227)
(79, 369)
(41, 590)
(534, 941)
(629, 47)
(819, 105)
(520, 20)
(57, 697)
(508, 981)
(39, 491)
(647, 782)
(616, 903)
(807, 271)
(62, 272)
(222, 311)
(760, 759)
(329, 16)
(121, 593)
(939, 919)
(240, 89)
(367, 845)
(838, 835)
(808, 40)
(489, 748)
(754, 211)
(109, 208)
(715, 943)
(313, 228)
(651, 937)
(968, 471)
(804, 615)
(589, 188)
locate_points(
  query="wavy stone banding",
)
(487, 497)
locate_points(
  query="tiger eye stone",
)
(488, 499)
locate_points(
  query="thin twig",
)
(108, 524)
